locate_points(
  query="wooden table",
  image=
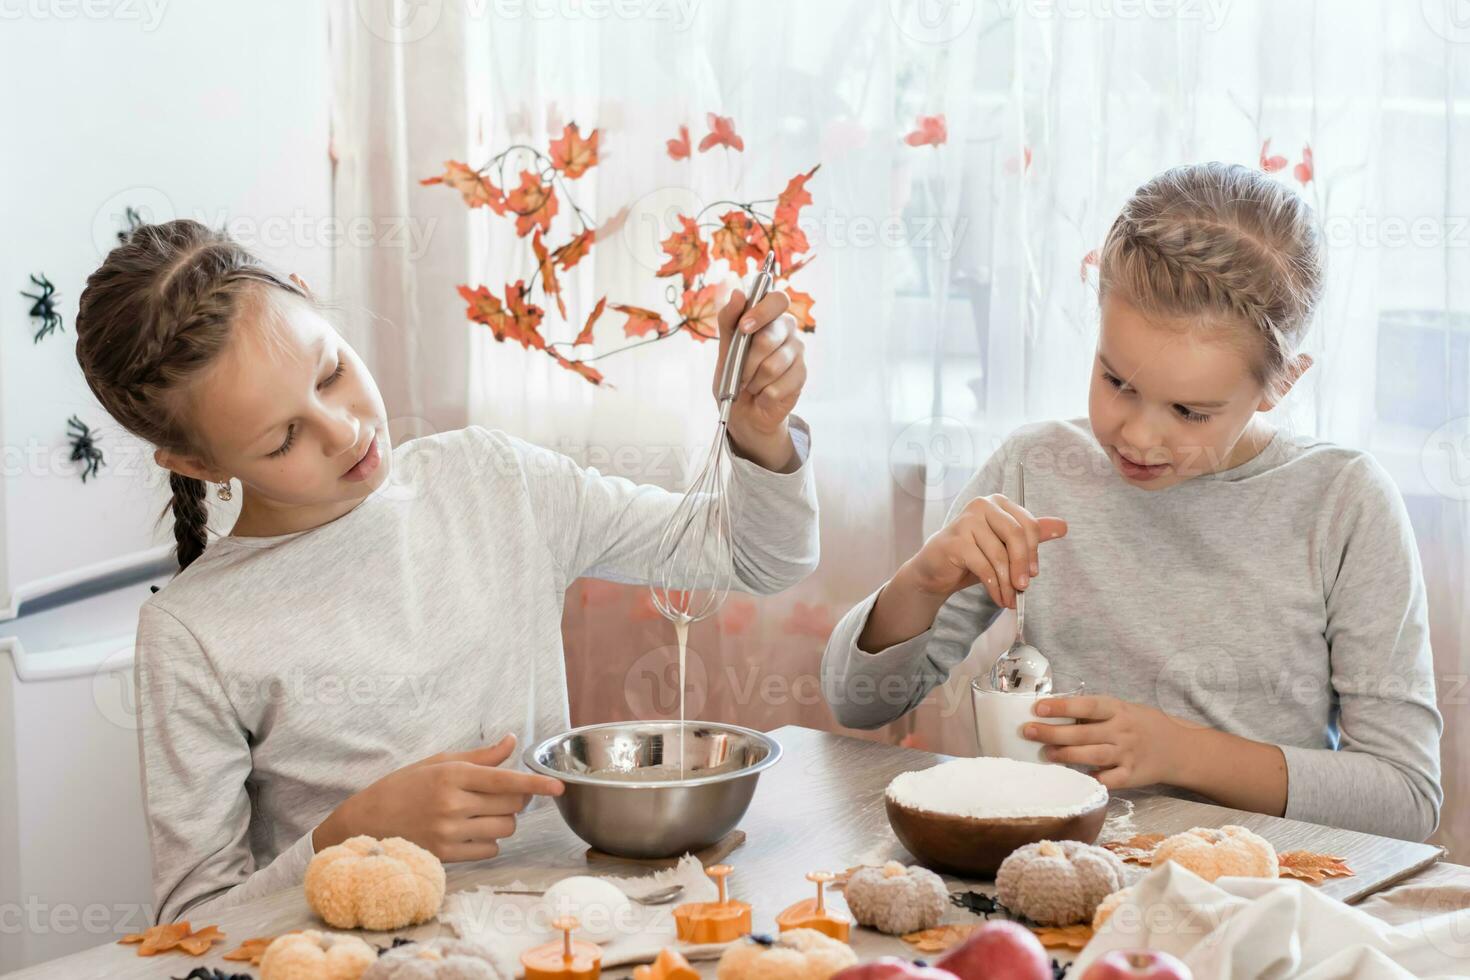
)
(820, 807)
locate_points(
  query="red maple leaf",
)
(679, 148)
(721, 133)
(517, 322)
(477, 190)
(700, 313)
(585, 337)
(534, 203)
(585, 370)
(572, 154)
(796, 196)
(785, 236)
(737, 615)
(571, 253)
(928, 131)
(801, 308)
(549, 284)
(1305, 170)
(1269, 163)
(730, 241)
(640, 321)
(687, 254)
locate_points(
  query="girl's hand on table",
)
(771, 383)
(1131, 744)
(459, 805)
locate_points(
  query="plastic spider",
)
(44, 307)
(84, 447)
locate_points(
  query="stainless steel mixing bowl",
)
(624, 795)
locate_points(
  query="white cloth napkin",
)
(511, 924)
(1270, 928)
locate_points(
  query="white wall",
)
(188, 108)
(181, 108)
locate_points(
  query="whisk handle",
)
(735, 362)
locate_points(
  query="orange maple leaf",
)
(679, 148)
(786, 237)
(801, 308)
(549, 284)
(477, 190)
(1270, 163)
(687, 254)
(585, 337)
(641, 321)
(721, 133)
(572, 154)
(585, 370)
(571, 253)
(514, 320)
(1305, 170)
(534, 203)
(796, 196)
(928, 131)
(730, 241)
(700, 313)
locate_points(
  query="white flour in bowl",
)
(988, 787)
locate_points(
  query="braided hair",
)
(156, 313)
(1220, 244)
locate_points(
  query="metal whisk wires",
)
(694, 564)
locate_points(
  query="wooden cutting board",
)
(1377, 861)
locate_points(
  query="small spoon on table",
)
(659, 896)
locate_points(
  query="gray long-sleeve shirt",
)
(278, 676)
(1281, 600)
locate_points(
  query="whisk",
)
(694, 563)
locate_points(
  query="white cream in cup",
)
(1000, 716)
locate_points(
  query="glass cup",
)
(1000, 715)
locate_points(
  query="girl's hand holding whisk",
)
(775, 371)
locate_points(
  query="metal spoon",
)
(660, 896)
(1022, 668)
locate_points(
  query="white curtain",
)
(953, 297)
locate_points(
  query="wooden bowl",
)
(975, 847)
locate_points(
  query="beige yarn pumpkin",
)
(1212, 853)
(375, 884)
(1058, 883)
(315, 955)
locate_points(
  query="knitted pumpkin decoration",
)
(1212, 853)
(1057, 883)
(1109, 905)
(796, 954)
(314, 955)
(895, 899)
(375, 884)
(444, 958)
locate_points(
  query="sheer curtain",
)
(954, 298)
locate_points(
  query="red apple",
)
(892, 968)
(1137, 964)
(998, 950)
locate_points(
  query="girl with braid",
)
(1245, 605)
(337, 662)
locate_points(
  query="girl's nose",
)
(341, 434)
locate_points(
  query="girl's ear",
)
(301, 282)
(1295, 368)
(187, 465)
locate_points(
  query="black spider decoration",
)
(84, 447)
(133, 221)
(978, 903)
(44, 307)
(206, 973)
(397, 941)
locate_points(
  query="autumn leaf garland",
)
(742, 234)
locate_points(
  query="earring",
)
(224, 492)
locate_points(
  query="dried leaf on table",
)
(250, 950)
(1071, 937)
(940, 938)
(1138, 849)
(1313, 867)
